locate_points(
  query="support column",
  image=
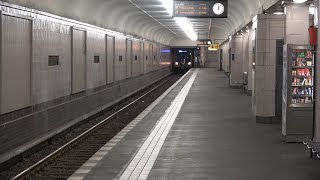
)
(269, 29)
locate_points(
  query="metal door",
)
(15, 63)
(79, 51)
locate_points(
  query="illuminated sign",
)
(214, 47)
(201, 9)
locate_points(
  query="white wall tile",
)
(270, 78)
(269, 105)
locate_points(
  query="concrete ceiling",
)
(148, 18)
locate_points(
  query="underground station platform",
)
(200, 128)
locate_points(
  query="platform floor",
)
(213, 137)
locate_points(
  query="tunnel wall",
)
(112, 71)
(53, 37)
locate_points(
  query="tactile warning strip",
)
(141, 165)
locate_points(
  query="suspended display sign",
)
(214, 47)
(201, 9)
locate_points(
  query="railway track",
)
(65, 160)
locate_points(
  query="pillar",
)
(250, 57)
(268, 29)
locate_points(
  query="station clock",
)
(218, 8)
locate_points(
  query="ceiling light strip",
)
(152, 17)
(186, 26)
(184, 23)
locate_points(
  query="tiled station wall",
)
(51, 36)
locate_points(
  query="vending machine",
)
(298, 87)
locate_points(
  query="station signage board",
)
(214, 47)
(200, 9)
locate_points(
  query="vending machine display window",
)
(302, 76)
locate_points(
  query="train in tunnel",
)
(183, 59)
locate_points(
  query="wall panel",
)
(51, 82)
(136, 58)
(150, 59)
(120, 59)
(96, 70)
(15, 63)
(146, 52)
(236, 61)
(225, 57)
(155, 57)
(79, 52)
(142, 59)
(129, 58)
(110, 59)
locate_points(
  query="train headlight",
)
(176, 63)
(189, 63)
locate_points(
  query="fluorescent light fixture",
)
(299, 1)
(278, 13)
(186, 26)
(184, 23)
(168, 4)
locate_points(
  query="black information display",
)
(201, 9)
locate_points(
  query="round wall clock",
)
(218, 8)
